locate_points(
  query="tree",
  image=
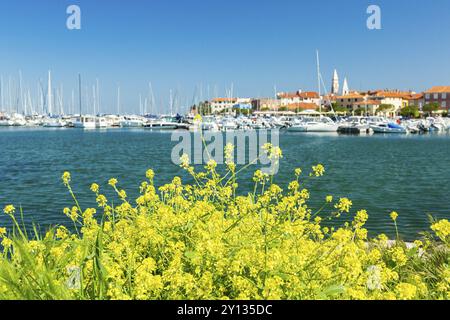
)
(410, 112)
(385, 107)
(337, 107)
(431, 107)
(360, 111)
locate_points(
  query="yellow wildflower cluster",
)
(203, 241)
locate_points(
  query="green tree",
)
(410, 111)
(430, 108)
(385, 107)
(337, 107)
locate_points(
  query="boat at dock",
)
(388, 128)
(85, 122)
(355, 125)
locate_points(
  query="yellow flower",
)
(94, 187)
(112, 182)
(62, 232)
(318, 170)
(7, 243)
(399, 257)
(394, 215)
(442, 229)
(101, 200)
(73, 214)
(276, 153)
(298, 172)
(329, 199)
(211, 165)
(259, 176)
(2, 232)
(344, 205)
(184, 161)
(150, 174)
(198, 118)
(406, 291)
(122, 194)
(9, 209)
(66, 178)
(229, 148)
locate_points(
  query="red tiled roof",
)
(368, 102)
(302, 105)
(224, 100)
(439, 89)
(303, 95)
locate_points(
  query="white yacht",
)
(85, 122)
(132, 122)
(388, 128)
(163, 123)
(18, 120)
(102, 123)
(5, 121)
(54, 123)
(321, 124)
(355, 125)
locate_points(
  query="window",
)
(427, 96)
(436, 96)
(444, 104)
(444, 96)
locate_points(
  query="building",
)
(416, 99)
(397, 99)
(365, 107)
(219, 105)
(265, 104)
(296, 98)
(222, 104)
(348, 101)
(440, 95)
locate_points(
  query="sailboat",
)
(84, 121)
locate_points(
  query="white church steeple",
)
(335, 83)
(345, 90)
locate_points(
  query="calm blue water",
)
(409, 174)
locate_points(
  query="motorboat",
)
(101, 123)
(388, 128)
(320, 124)
(163, 123)
(132, 122)
(85, 122)
(54, 123)
(355, 125)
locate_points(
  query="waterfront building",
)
(416, 99)
(222, 104)
(297, 98)
(350, 100)
(265, 104)
(366, 107)
(440, 95)
(397, 99)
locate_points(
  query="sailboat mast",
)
(1, 92)
(118, 100)
(98, 97)
(79, 91)
(318, 79)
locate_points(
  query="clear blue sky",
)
(181, 45)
